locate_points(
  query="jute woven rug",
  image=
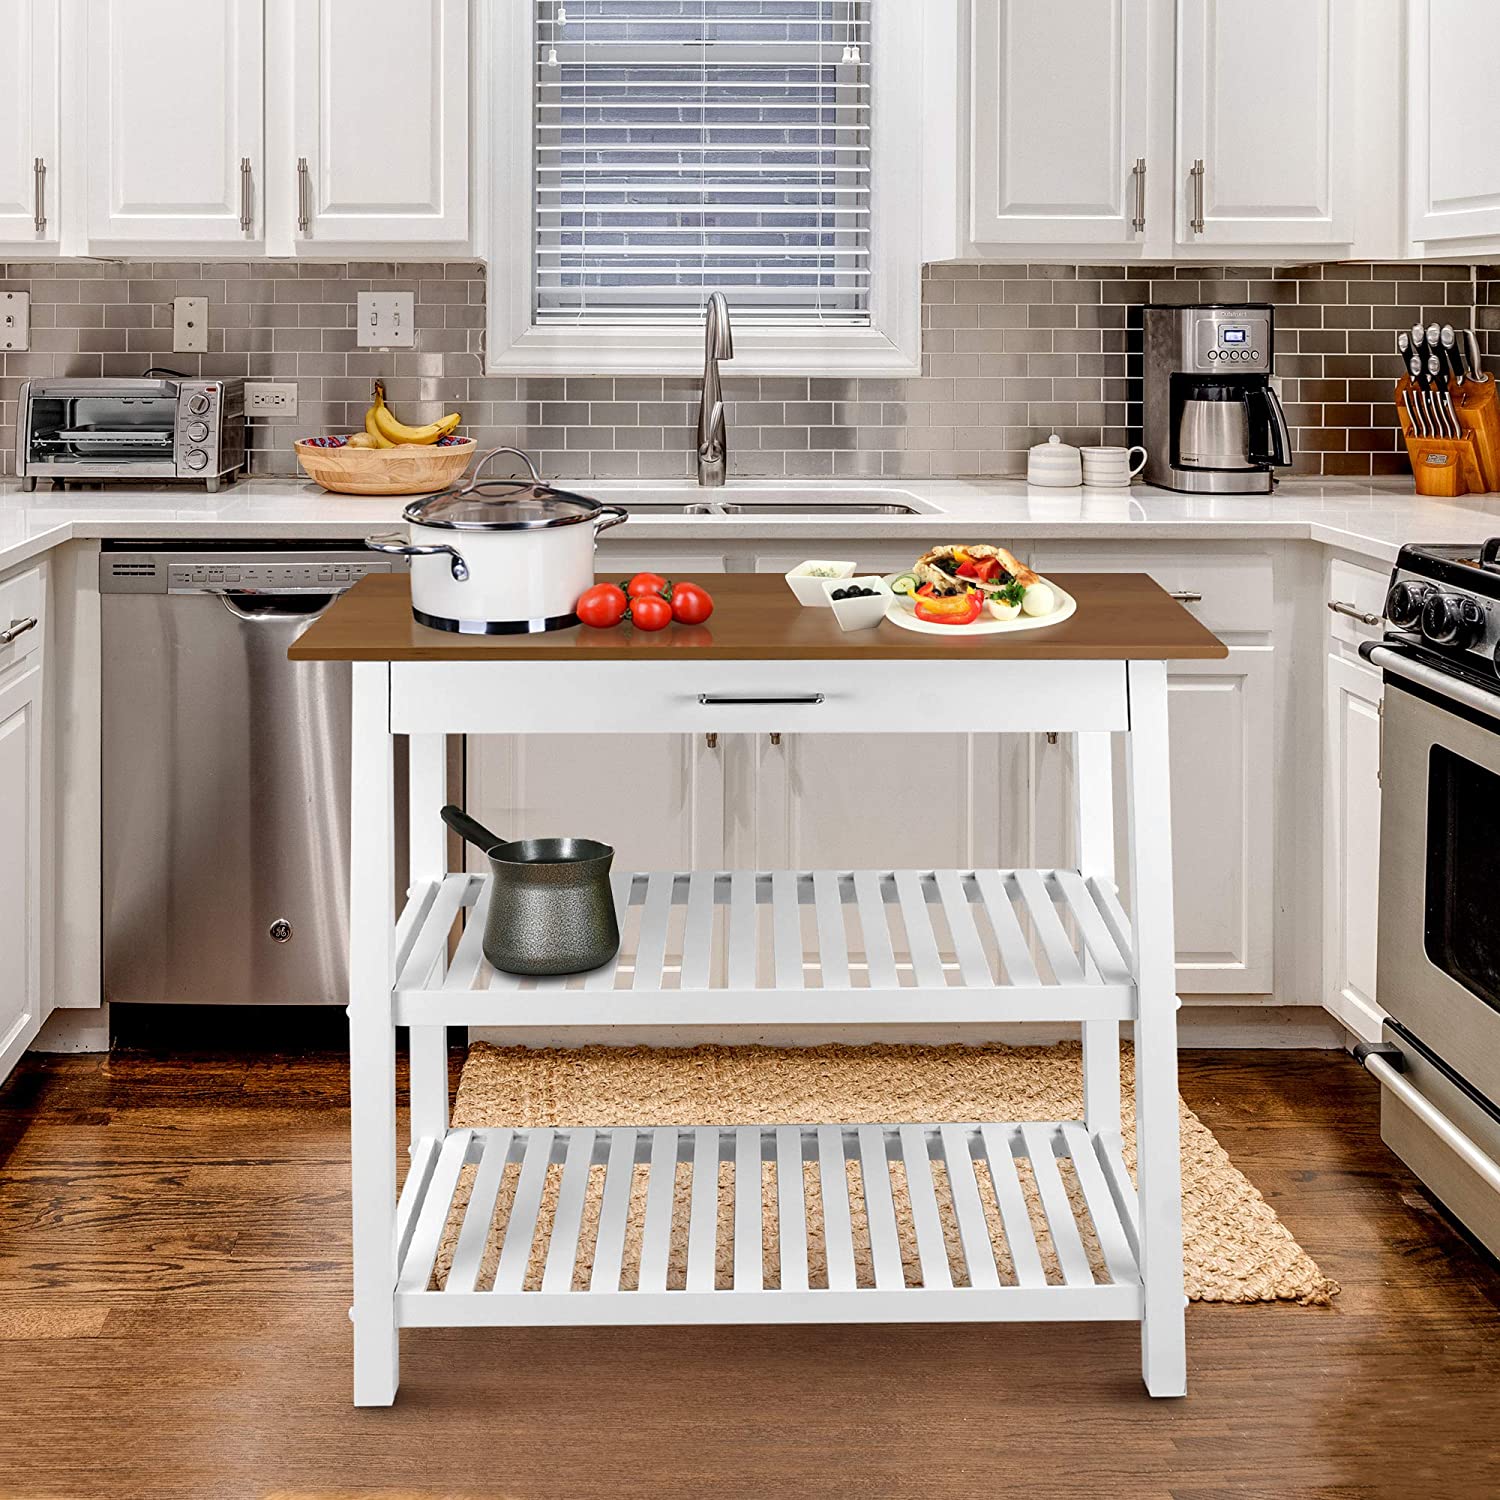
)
(1236, 1249)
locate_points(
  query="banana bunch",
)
(382, 430)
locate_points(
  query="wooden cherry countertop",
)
(1120, 617)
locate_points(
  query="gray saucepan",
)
(551, 907)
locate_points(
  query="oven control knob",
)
(196, 458)
(197, 431)
(1452, 620)
(1403, 605)
(197, 405)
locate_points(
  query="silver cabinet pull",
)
(1354, 612)
(711, 740)
(39, 194)
(247, 196)
(304, 200)
(1138, 223)
(1196, 222)
(737, 700)
(1186, 596)
(17, 628)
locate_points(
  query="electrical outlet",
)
(269, 398)
(189, 325)
(15, 320)
(385, 320)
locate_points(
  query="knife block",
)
(1469, 464)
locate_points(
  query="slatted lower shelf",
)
(862, 947)
(768, 1224)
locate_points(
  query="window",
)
(679, 147)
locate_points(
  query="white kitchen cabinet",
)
(1064, 102)
(1266, 103)
(1351, 838)
(1453, 172)
(174, 120)
(30, 213)
(21, 876)
(369, 123)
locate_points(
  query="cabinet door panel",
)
(1351, 812)
(20, 867)
(1060, 114)
(28, 122)
(174, 105)
(1265, 101)
(381, 113)
(1453, 175)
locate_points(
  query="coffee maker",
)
(1212, 423)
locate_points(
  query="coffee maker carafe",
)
(1212, 422)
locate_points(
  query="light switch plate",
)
(385, 320)
(15, 320)
(189, 325)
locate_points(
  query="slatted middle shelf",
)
(767, 1223)
(858, 948)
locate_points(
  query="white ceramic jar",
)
(1054, 464)
(500, 557)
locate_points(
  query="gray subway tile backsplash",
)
(1010, 353)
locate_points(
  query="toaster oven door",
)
(102, 437)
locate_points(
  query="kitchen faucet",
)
(713, 436)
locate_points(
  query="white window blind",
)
(690, 146)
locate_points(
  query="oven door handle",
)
(1390, 660)
(1478, 1162)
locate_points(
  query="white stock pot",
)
(500, 556)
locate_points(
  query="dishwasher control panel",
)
(149, 571)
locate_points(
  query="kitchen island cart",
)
(739, 950)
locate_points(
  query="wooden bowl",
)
(407, 469)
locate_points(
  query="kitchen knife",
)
(1403, 350)
(1437, 375)
(1414, 369)
(1453, 353)
(1476, 364)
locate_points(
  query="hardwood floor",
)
(174, 1247)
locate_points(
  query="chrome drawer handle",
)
(247, 192)
(304, 206)
(1138, 223)
(39, 194)
(17, 628)
(1362, 615)
(1186, 596)
(735, 699)
(1196, 222)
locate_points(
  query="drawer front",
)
(22, 599)
(1361, 590)
(1234, 590)
(748, 697)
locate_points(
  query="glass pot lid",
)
(502, 504)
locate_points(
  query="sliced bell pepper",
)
(947, 609)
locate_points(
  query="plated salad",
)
(960, 585)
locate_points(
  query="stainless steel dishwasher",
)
(226, 774)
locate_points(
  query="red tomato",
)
(691, 605)
(602, 606)
(645, 583)
(650, 612)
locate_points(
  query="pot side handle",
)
(610, 515)
(395, 546)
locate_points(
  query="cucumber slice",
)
(905, 583)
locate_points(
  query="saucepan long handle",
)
(469, 828)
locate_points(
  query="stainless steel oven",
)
(1438, 955)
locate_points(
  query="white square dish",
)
(808, 587)
(862, 613)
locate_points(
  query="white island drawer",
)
(839, 696)
(22, 616)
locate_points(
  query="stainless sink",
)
(762, 500)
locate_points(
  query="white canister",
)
(500, 557)
(1111, 468)
(1055, 464)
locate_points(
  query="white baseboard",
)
(67, 1030)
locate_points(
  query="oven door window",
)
(1463, 872)
(85, 430)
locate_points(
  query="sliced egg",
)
(1003, 611)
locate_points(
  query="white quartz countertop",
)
(1368, 518)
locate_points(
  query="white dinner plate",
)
(902, 612)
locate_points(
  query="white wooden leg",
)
(428, 844)
(1094, 822)
(1158, 1165)
(372, 1041)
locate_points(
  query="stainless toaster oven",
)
(78, 430)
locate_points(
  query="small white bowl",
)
(862, 613)
(809, 588)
